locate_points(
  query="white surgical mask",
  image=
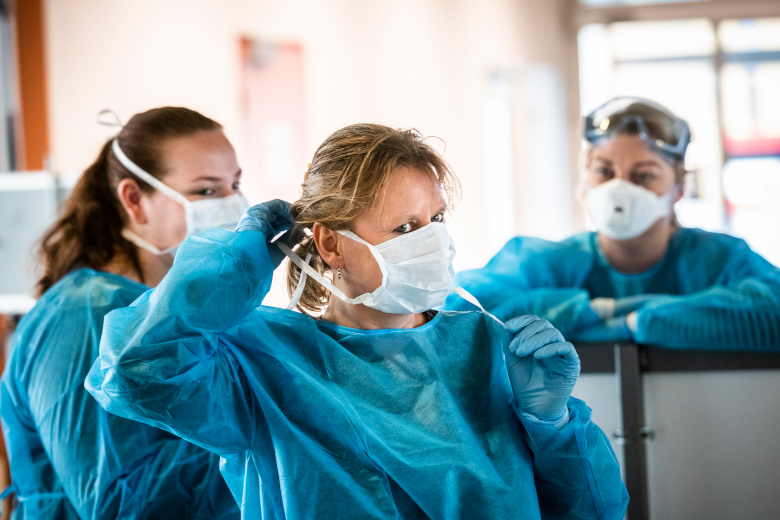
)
(224, 212)
(622, 210)
(417, 272)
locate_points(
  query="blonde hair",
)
(345, 178)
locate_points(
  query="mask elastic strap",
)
(296, 297)
(463, 293)
(145, 244)
(146, 176)
(309, 270)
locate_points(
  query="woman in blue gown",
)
(641, 276)
(369, 403)
(68, 457)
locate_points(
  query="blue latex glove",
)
(612, 329)
(542, 366)
(269, 218)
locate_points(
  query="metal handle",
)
(645, 433)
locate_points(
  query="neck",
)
(153, 267)
(366, 318)
(639, 254)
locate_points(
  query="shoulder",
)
(98, 291)
(720, 257)
(278, 328)
(697, 244)
(531, 250)
(581, 242)
(74, 307)
(563, 262)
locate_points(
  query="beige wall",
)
(407, 63)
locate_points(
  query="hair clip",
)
(112, 120)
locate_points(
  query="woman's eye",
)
(604, 172)
(405, 228)
(207, 192)
(644, 177)
(236, 185)
(439, 217)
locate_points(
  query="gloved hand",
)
(612, 329)
(606, 308)
(270, 218)
(603, 307)
(542, 366)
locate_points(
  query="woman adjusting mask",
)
(410, 251)
(367, 410)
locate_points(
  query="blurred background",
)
(501, 84)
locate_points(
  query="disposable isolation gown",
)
(710, 291)
(68, 457)
(320, 421)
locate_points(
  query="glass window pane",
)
(751, 108)
(668, 39)
(750, 35)
(752, 188)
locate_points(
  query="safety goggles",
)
(632, 113)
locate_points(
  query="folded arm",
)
(745, 316)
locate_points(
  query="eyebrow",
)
(608, 162)
(413, 218)
(215, 179)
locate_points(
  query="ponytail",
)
(89, 231)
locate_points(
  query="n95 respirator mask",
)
(622, 210)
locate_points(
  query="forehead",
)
(203, 152)
(408, 191)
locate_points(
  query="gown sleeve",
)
(190, 385)
(108, 467)
(575, 469)
(740, 312)
(532, 276)
(129, 475)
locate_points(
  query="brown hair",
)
(88, 234)
(345, 178)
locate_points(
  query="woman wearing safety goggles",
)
(640, 276)
(169, 173)
(372, 402)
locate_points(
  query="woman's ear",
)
(328, 245)
(680, 188)
(130, 197)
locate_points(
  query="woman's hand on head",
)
(543, 368)
(270, 218)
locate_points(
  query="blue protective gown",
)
(316, 420)
(68, 457)
(710, 291)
